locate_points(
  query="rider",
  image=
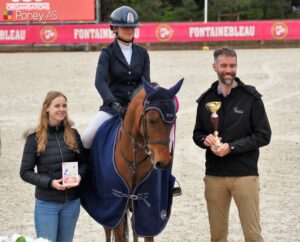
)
(120, 69)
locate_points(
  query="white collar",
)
(125, 47)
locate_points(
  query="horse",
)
(141, 163)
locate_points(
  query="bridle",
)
(145, 146)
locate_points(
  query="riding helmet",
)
(124, 16)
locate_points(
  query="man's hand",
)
(221, 151)
(119, 109)
(210, 140)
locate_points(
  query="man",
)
(231, 166)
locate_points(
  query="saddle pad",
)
(105, 195)
(150, 221)
(96, 188)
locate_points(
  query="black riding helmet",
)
(124, 16)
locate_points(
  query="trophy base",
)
(216, 146)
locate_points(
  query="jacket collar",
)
(119, 54)
(53, 129)
(214, 86)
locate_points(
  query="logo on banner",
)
(164, 32)
(7, 15)
(48, 34)
(279, 30)
(31, 10)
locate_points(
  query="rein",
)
(133, 164)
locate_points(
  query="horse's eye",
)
(152, 121)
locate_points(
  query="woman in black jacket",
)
(54, 142)
(120, 69)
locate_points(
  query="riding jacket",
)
(49, 164)
(243, 124)
(116, 80)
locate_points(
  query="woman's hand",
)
(79, 179)
(57, 184)
(119, 109)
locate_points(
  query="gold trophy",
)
(213, 107)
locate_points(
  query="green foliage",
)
(21, 239)
(192, 10)
(148, 10)
(188, 10)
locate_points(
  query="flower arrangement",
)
(20, 238)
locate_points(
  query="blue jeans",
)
(56, 221)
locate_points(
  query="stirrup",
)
(177, 191)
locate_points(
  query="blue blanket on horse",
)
(105, 195)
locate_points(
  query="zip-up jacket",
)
(49, 164)
(243, 124)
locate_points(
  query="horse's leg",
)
(135, 237)
(149, 239)
(107, 234)
(119, 234)
(126, 229)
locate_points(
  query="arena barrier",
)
(151, 32)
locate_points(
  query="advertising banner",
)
(152, 32)
(41, 11)
(220, 31)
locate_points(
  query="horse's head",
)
(157, 120)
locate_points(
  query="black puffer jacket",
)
(49, 165)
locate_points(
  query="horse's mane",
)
(140, 87)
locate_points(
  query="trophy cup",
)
(213, 107)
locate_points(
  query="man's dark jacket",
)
(49, 165)
(243, 124)
(115, 79)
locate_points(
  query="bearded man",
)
(232, 152)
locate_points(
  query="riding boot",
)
(176, 189)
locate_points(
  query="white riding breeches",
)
(90, 131)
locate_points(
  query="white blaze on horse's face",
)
(158, 139)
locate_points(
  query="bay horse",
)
(140, 178)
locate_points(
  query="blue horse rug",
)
(105, 195)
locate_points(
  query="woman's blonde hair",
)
(42, 128)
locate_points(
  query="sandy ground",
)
(26, 78)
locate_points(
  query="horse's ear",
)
(148, 88)
(173, 90)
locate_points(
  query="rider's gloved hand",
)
(119, 109)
